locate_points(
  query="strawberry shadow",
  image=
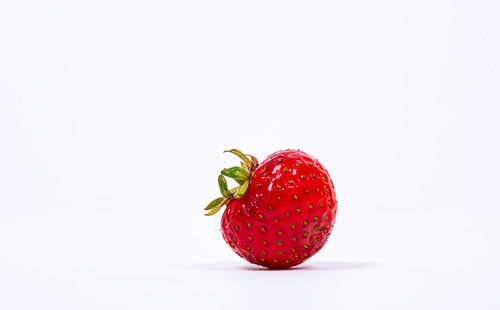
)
(307, 267)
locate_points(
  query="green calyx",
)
(242, 175)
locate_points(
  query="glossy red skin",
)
(287, 214)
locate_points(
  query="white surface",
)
(409, 260)
(114, 115)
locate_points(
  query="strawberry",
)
(281, 213)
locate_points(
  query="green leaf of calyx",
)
(242, 156)
(223, 186)
(214, 203)
(253, 159)
(238, 174)
(242, 190)
(218, 206)
(214, 210)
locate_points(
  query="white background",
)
(114, 116)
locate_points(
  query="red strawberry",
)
(283, 211)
